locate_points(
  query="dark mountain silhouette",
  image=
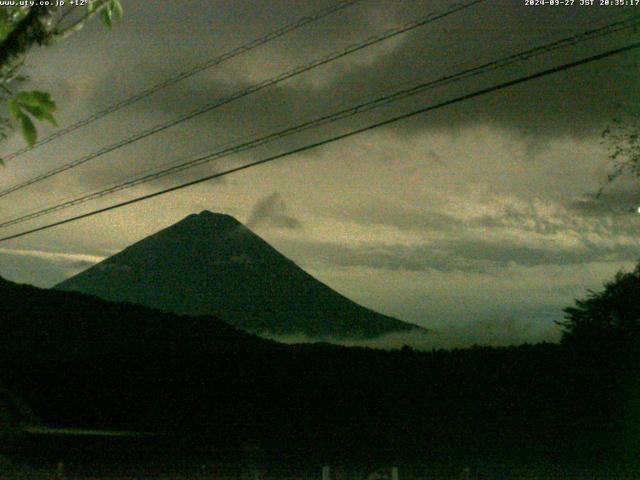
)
(39, 324)
(82, 361)
(212, 264)
(206, 389)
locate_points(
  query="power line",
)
(591, 34)
(336, 138)
(245, 92)
(301, 22)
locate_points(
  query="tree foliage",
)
(612, 315)
(623, 139)
(22, 28)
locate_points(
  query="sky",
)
(477, 220)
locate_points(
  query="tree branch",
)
(78, 24)
(30, 30)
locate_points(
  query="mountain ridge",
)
(211, 264)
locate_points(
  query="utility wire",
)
(186, 74)
(572, 40)
(336, 138)
(245, 92)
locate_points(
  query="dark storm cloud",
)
(575, 102)
(578, 103)
(141, 53)
(572, 102)
(272, 211)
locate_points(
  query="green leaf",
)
(43, 97)
(50, 118)
(41, 114)
(105, 14)
(37, 112)
(14, 109)
(116, 9)
(36, 98)
(6, 26)
(28, 129)
(38, 104)
(1, 162)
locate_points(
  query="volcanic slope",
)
(211, 264)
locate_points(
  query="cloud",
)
(382, 212)
(42, 268)
(535, 111)
(272, 211)
(489, 331)
(487, 239)
(609, 203)
(467, 255)
(503, 253)
(72, 260)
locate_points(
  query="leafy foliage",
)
(612, 315)
(10, 16)
(32, 104)
(21, 28)
(623, 139)
(112, 10)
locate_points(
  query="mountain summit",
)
(210, 263)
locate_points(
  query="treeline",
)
(209, 388)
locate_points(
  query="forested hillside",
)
(81, 361)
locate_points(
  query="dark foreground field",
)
(204, 470)
(208, 394)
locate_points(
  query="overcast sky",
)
(476, 219)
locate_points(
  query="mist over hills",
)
(211, 264)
